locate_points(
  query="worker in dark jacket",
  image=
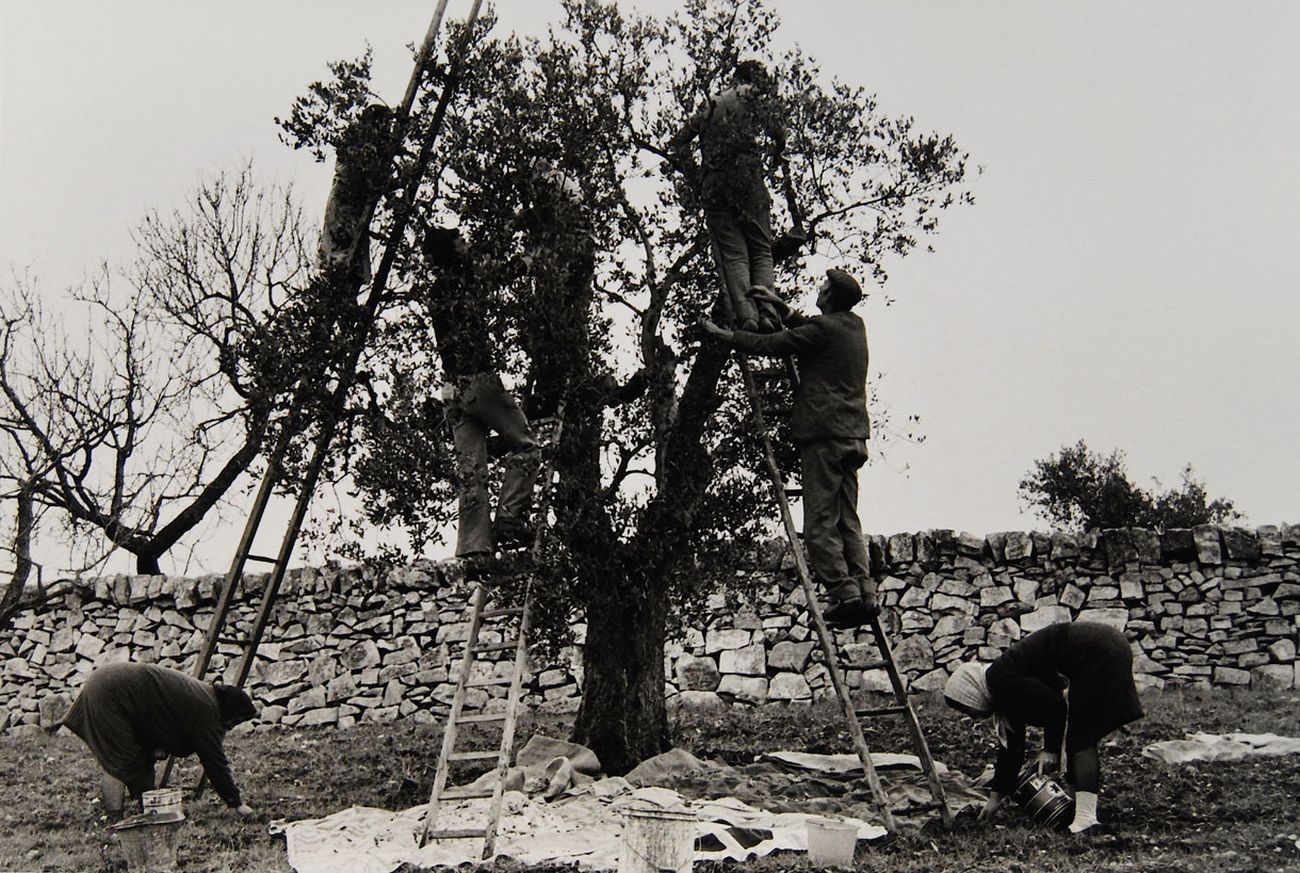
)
(129, 713)
(829, 422)
(1075, 681)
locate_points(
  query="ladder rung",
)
(505, 610)
(480, 719)
(474, 756)
(458, 833)
(235, 641)
(884, 710)
(262, 559)
(465, 794)
(869, 665)
(489, 682)
(794, 492)
(496, 647)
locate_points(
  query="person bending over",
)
(1075, 681)
(130, 713)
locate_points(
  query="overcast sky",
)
(1128, 274)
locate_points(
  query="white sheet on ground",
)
(1221, 747)
(582, 821)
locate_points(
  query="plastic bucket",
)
(162, 801)
(150, 844)
(656, 841)
(1044, 800)
(831, 842)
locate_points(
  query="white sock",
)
(1085, 811)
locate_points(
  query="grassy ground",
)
(1242, 816)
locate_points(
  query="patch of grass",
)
(1227, 816)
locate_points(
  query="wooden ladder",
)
(345, 377)
(482, 612)
(902, 705)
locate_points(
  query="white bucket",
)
(657, 841)
(831, 842)
(162, 801)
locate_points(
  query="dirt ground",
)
(1241, 816)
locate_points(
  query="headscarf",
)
(234, 705)
(968, 687)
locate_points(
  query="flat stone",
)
(1230, 676)
(723, 639)
(790, 656)
(750, 660)
(789, 686)
(1018, 545)
(931, 681)
(991, 598)
(749, 689)
(1283, 650)
(1208, 549)
(697, 673)
(704, 701)
(914, 654)
(1041, 618)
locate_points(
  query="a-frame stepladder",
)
(344, 379)
(481, 612)
(902, 706)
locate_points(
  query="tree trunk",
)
(623, 718)
(24, 522)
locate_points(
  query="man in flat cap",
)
(829, 423)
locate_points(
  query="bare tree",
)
(135, 408)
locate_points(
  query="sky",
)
(1127, 276)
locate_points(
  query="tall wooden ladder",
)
(482, 612)
(902, 704)
(344, 378)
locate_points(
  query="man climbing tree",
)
(829, 424)
(737, 206)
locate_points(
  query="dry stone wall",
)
(1208, 605)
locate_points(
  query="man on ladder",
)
(829, 422)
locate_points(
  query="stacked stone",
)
(1209, 605)
(342, 645)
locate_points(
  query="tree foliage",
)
(659, 492)
(1079, 489)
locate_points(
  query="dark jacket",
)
(127, 712)
(831, 400)
(1028, 683)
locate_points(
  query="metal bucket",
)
(1044, 799)
(149, 841)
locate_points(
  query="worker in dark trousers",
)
(1075, 681)
(737, 205)
(130, 713)
(829, 422)
(362, 168)
(478, 403)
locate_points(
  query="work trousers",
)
(832, 533)
(742, 247)
(480, 405)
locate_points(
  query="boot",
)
(847, 614)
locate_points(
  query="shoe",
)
(869, 599)
(848, 614)
(513, 533)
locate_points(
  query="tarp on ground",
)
(742, 812)
(1221, 747)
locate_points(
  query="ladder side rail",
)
(347, 372)
(449, 734)
(525, 625)
(508, 729)
(805, 578)
(896, 680)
